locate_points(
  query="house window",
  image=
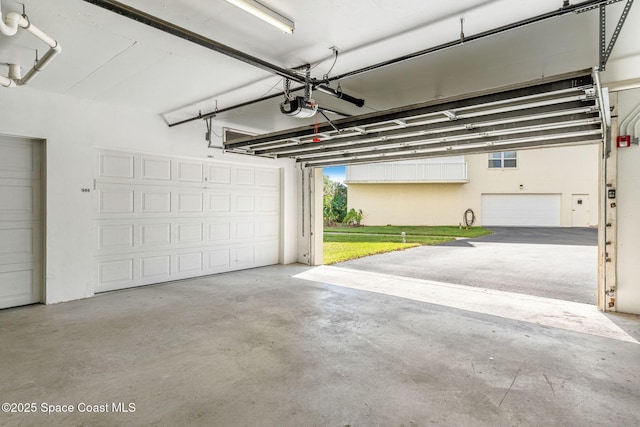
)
(503, 160)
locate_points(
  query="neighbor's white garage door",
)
(521, 209)
(20, 222)
(161, 218)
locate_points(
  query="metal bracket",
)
(605, 49)
(207, 136)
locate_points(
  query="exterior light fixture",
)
(265, 13)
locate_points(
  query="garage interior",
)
(161, 196)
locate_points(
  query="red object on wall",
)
(315, 129)
(623, 141)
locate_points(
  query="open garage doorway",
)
(552, 128)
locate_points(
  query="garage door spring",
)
(469, 217)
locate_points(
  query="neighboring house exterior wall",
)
(569, 173)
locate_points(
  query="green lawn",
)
(345, 243)
(339, 251)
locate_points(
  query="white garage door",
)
(161, 218)
(521, 209)
(20, 222)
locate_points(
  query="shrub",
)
(353, 217)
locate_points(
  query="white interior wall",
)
(72, 128)
(628, 206)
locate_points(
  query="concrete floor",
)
(264, 348)
(553, 262)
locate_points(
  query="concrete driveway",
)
(551, 262)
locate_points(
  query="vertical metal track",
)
(302, 170)
(311, 182)
(603, 35)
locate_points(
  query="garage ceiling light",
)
(266, 14)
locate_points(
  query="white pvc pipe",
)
(39, 34)
(15, 73)
(625, 123)
(9, 26)
(634, 128)
(40, 65)
(7, 82)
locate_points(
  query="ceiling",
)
(112, 59)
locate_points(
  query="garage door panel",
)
(19, 160)
(115, 271)
(270, 178)
(268, 204)
(243, 255)
(189, 202)
(17, 201)
(16, 239)
(153, 168)
(245, 203)
(20, 284)
(155, 266)
(154, 235)
(177, 218)
(219, 202)
(220, 174)
(268, 228)
(245, 176)
(219, 259)
(245, 230)
(116, 165)
(116, 200)
(189, 262)
(189, 171)
(155, 201)
(266, 252)
(16, 284)
(115, 237)
(189, 233)
(543, 210)
(219, 231)
(20, 222)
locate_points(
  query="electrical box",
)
(623, 141)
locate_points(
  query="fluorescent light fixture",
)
(266, 14)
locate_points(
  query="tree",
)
(334, 201)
